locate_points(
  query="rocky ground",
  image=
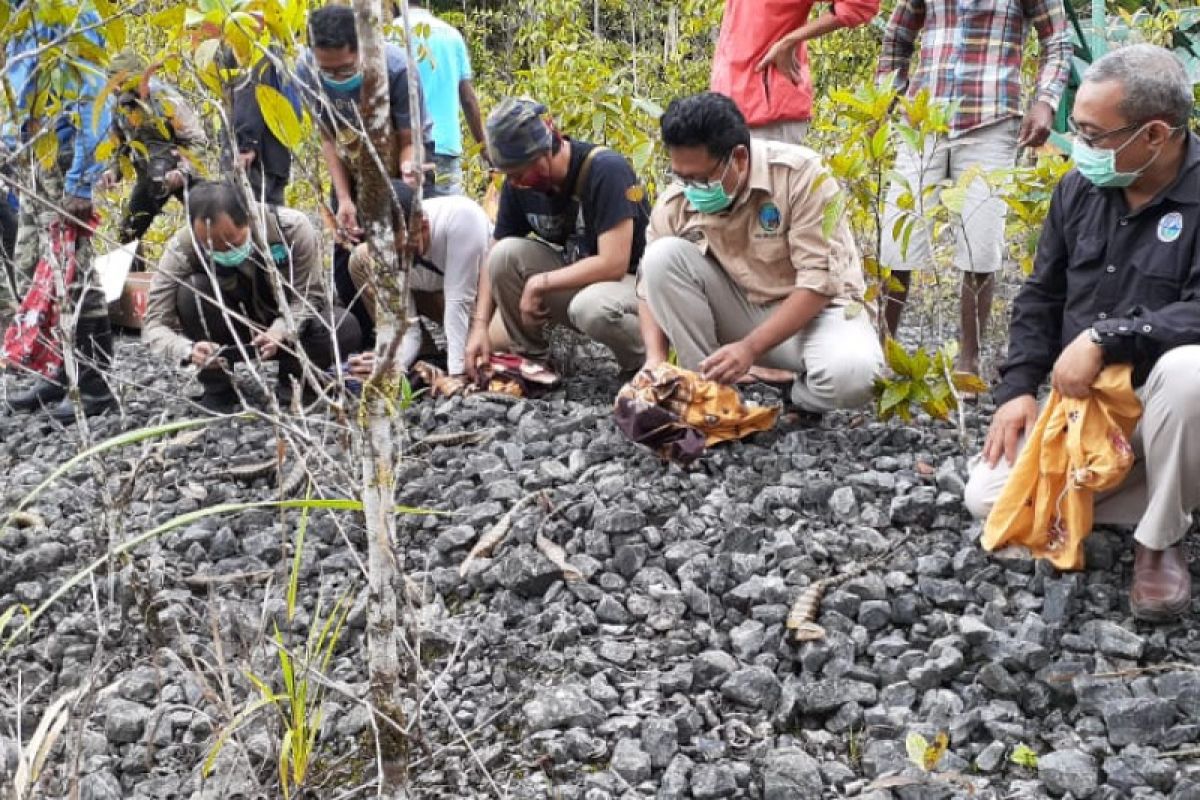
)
(665, 673)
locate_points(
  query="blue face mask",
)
(233, 258)
(343, 85)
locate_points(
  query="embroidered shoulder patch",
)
(1170, 227)
(635, 193)
(769, 218)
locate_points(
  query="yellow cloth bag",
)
(1077, 448)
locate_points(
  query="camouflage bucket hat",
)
(516, 133)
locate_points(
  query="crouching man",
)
(450, 248)
(739, 277)
(1117, 281)
(569, 232)
(212, 301)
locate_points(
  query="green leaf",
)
(897, 358)
(916, 746)
(834, 210)
(1024, 756)
(279, 115)
(895, 394)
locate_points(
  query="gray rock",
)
(1114, 640)
(843, 504)
(139, 685)
(756, 687)
(747, 639)
(100, 786)
(125, 721)
(990, 758)
(943, 592)
(620, 519)
(660, 740)
(677, 779)
(712, 781)
(711, 668)
(824, 696)
(566, 706)
(1071, 771)
(789, 773)
(1136, 768)
(1140, 720)
(526, 571)
(917, 508)
(630, 761)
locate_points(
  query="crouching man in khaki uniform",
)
(739, 277)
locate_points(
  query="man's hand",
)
(479, 350)
(246, 158)
(533, 306)
(413, 176)
(347, 220)
(267, 343)
(203, 354)
(77, 209)
(1077, 367)
(729, 363)
(1011, 420)
(362, 365)
(107, 180)
(1035, 128)
(782, 56)
(173, 181)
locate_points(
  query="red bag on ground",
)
(30, 339)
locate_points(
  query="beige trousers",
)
(1163, 488)
(605, 311)
(700, 308)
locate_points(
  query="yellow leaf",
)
(966, 382)
(279, 115)
(104, 150)
(45, 147)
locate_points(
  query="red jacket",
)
(748, 30)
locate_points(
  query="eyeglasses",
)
(341, 73)
(1092, 139)
(695, 183)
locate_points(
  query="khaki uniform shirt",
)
(161, 329)
(770, 240)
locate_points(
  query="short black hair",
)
(332, 28)
(708, 120)
(208, 200)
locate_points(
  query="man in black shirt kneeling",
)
(1117, 281)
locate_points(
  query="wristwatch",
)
(1094, 336)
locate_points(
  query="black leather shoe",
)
(45, 392)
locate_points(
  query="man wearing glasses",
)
(971, 58)
(1117, 281)
(569, 233)
(330, 79)
(739, 277)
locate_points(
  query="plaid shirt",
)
(971, 53)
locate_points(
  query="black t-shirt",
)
(610, 195)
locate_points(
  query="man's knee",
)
(663, 260)
(981, 491)
(1176, 380)
(846, 381)
(506, 257)
(595, 309)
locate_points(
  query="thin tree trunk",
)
(378, 435)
